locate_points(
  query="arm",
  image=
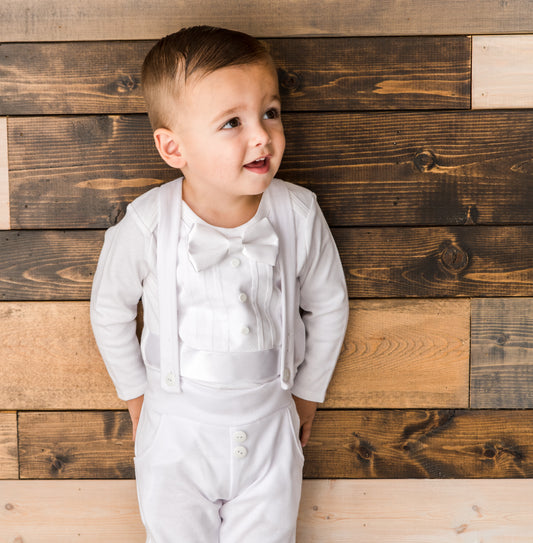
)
(324, 308)
(117, 288)
(134, 408)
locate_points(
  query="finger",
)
(306, 433)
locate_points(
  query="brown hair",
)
(200, 49)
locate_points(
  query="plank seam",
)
(5, 223)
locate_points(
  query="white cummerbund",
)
(234, 368)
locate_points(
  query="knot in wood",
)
(9, 507)
(454, 258)
(425, 160)
(289, 81)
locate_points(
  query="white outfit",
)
(217, 450)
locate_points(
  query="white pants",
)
(218, 465)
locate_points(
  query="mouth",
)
(260, 165)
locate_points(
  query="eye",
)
(232, 123)
(272, 113)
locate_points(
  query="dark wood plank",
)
(423, 168)
(48, 265)
(437, 262)
(347, 444)
(502, 353)
(315, 74)
(31, 20)
(75, 445)
(420, 444)
(379, 262)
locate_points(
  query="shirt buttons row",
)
(245, 330)
(242, 297)
(235, 262)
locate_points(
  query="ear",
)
(167, 144)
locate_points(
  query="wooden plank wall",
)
(414, 130)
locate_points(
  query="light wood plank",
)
(68, 511)
(340, 511)
(4, 177)
(9, 468)
(502, 72)
(57, 20)
(401, 353)
(50, 359)
(397, 354)
(416, 511)
(502, 353)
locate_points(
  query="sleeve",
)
(323, 307)
(116, 291)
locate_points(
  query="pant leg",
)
(177, 484)
(267, 482)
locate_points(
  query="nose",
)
(259, 136)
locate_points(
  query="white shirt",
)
(233, 306)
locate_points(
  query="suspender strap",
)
(284, 219)
(167, 265)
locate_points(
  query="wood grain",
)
(378, 262)
(48, 265)
(421, 444)
(315, 74)
(502, 71)
(67, 511)
(331, 511)
(344, 444)
(50, 359)
(9, 467)
(390, 168)
(416, 511)
(75, 445)
(4, 177)
(30, 20)
(437, 262)
(397, 354)
(404, 354)
(502, 353)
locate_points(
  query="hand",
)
(134, 407)
(306, 412)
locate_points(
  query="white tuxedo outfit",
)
(235, 320)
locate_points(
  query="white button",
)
(240, 436)
(235, 262)
(245, 330)
(243, 297)
(286, 375)
(170, 379)
(240, 451)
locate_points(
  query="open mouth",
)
(261, 165)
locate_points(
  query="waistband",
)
(229, 368)
(212, 405)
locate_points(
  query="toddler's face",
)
(229, 130)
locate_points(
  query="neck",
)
(225, 211)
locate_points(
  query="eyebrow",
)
(233, 110)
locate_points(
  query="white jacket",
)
(139, 260)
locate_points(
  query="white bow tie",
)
(208, 246)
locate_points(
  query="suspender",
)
(167, 264)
